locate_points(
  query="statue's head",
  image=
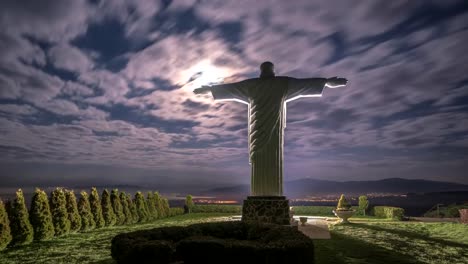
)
(267, 70)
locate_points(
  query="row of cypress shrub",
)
(61, 214)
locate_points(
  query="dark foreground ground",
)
(368, 241)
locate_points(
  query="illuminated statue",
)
(266, 98)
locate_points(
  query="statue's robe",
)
(266, 98)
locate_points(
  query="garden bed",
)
(221, 242)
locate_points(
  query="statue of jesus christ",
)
(266, 98)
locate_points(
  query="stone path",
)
(315, 228)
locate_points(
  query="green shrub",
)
(363, 204)
(21, 229)
(141, 208)
(314, 210)
(5, 232)
(72, 210)
(343, 204)
(216, 208)
(84, 208)
(189, 203)
(127, 214)
(174, 211)
(389, 212)
(152, 211)
(158, 204)
(117, 207)
(96, 208)
(133, 209)
(107, 211)
(41, 217)
(58, 208)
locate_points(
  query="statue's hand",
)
(335, 82)
(202, 90)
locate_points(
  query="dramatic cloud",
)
(105, 87)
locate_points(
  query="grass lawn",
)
(90, 247)
(367, 240)
(376, 241)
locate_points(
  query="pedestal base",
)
(266, 209)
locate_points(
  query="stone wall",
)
(266, 209)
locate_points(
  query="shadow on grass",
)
(346, 249)
(412, 235)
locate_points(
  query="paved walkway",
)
(315, 228)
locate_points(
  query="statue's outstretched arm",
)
(229, 91)
(336, 82)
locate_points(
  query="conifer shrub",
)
(189, 203)
(127, 214)
(166, 207)
(40, 216)
(117, 207)
(141, 208)
(84, 208)
(58, 208)
(107, 211)
(21, 229)
(152, 211)
(158, 204)
(363, 204)
(5, 232)
(133, 209)
(72, 210)
(343, 204)
(96, 209)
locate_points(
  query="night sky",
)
(100, 92)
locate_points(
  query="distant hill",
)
(305, 187)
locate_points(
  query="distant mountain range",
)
(306, 187)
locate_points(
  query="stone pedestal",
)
(266, 209)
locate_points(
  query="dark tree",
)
(41, 217)
(58, 208)
(117, 207)
(96, 209)
(84, 208)
(107, 211)
(72, 209)
(5, 232)
(21, 229)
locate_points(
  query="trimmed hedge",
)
(222, 242)
(389, 212)
(314, 210)
(173, 211)
(215, 208)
